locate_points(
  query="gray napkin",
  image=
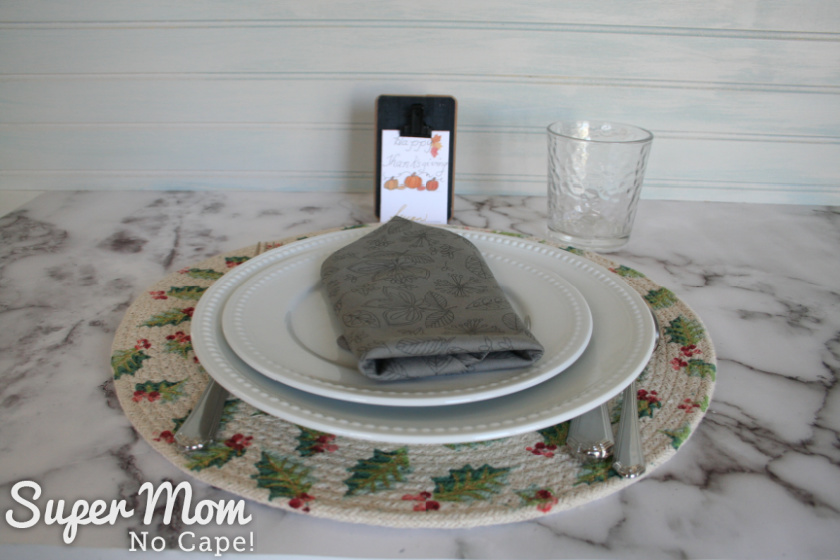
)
(416, 301)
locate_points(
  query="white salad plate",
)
(621, 342)
(279, 321)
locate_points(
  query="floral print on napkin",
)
(418, 301)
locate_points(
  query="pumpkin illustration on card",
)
(413, 181)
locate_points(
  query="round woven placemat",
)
(263, 458)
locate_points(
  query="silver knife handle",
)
(590, 435)
(629, 456)
(200, 426)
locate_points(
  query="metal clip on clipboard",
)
(415, 125)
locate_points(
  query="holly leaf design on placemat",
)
(178, 343)
(127, 362)
(379, 472)
(597, 471)
(282, 476)
(468, 484)
(186, 292)
(203, 273)
(626, 272)
(231, 262)
(575, 251)
(512, 234)
(647, 402)
(541, 497)
(178, 422)
(663, 297)
(165, 391)
(218, 453)
(699, 368)
(228, 412)
(469, 445)
(170, 317)
(685, 331)
(312, 442)
(679, 435)
(555, 435)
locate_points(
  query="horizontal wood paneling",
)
(286, 98)
(428, 53)
(743, 97)
(750, 15)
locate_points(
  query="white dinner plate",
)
(621, 343)
(279, 321)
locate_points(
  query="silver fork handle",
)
(590, 435)
(200, 426)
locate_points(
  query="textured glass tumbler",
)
(595, 175)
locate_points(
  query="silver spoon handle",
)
(200, 426)
(590, 435)
(629, 456)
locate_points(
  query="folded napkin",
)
(416, 301)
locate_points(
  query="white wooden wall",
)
(743, 96)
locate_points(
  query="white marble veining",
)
(758, 479)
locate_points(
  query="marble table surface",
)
(760, 478)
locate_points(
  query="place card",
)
(415, 156)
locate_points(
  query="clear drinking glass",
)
(595, 175)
